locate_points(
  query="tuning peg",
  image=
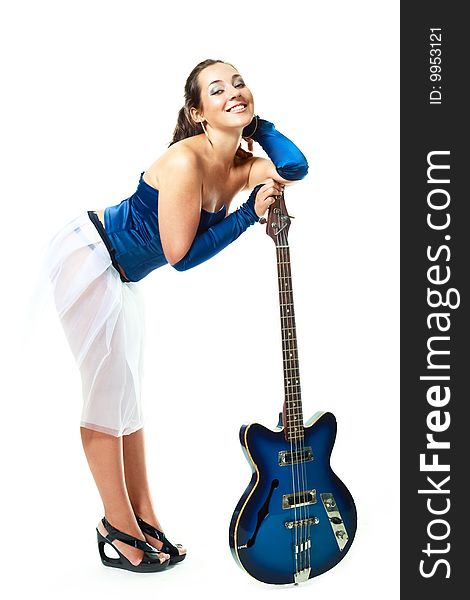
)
(262, 221)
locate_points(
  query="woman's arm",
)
(179, 213)
(287, 163)
(179, 203)
(209, 243)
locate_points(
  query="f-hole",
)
(262, 513)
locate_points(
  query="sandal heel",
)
(150, 562)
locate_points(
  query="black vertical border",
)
(426, 128)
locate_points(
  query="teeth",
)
(237, 108)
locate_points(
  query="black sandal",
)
(150, 561)
(168, 547)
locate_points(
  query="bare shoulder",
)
(180, 158)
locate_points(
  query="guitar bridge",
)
(302, 523)
(299, 499)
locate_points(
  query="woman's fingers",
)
(267, 195)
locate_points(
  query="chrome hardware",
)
(299, 499)
(336, 522)
(301, 576)
(302, 522)
(286, 457)
(303, 546)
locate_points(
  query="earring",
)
(205, 131)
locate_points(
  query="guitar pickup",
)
(287, 457)
(299, 499)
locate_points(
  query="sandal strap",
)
(130, 540)
(159, 535)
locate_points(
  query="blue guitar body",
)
(296, 519)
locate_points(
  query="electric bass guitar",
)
(296, 519)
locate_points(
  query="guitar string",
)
(295, 431)
(286, 424)
(293, 407)
(305, 526)
(295, 413)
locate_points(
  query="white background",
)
(91, 92)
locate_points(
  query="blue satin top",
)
(132, 228)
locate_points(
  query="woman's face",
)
(226, 102)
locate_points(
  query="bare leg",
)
(137, 484)
(104, 456)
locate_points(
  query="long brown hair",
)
(185, 126)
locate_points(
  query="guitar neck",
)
(292, 411)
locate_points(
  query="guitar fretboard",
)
(292, 414)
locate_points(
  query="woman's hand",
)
(267, 195)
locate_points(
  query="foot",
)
(153, 521)
(133, 555)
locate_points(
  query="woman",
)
(178, 215)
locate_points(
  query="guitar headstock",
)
(278, 221)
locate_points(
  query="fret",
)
(296, 439)
(293, 417)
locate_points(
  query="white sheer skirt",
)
(103, 320)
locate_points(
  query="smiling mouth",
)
(240, 107)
